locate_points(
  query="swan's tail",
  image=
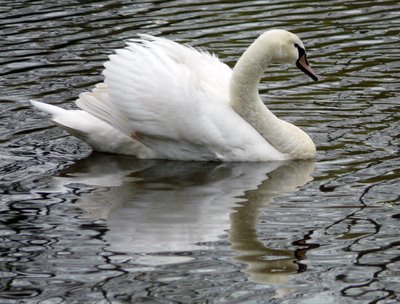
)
(64, 118)
(53, 110)
(75, 122)
(97, 133)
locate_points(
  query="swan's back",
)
(175, 100)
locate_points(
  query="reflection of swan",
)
(266, 265)
(163, 100)
(155, 207)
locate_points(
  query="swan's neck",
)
(245, 100)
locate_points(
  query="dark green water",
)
(77, 227)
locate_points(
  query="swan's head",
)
(286, 47)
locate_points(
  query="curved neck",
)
(245, 100)
(244, 96)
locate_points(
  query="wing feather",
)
(175, 100)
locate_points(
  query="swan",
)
(164, 100)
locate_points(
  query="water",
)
(78, 227)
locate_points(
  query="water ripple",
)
(331, 239)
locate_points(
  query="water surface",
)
(78, 227)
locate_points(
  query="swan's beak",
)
(303, 65)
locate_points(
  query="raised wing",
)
(174, 99)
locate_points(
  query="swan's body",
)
(164, 100)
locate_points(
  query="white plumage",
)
(164, 100)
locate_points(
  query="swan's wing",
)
(154, 81)
(174, 99)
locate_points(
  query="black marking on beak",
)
(302, 63)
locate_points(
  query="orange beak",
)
(303, 65)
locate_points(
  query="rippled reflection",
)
(163, 206)
(267, 265)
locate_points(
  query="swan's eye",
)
(296, 46)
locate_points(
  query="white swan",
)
(164, 100)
